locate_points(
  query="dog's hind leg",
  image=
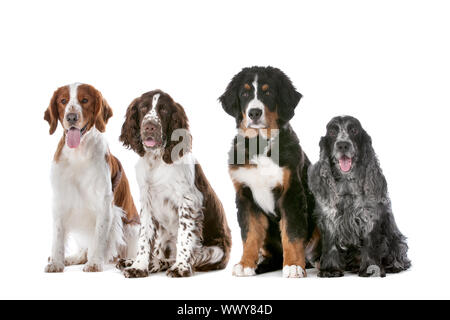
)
(396, 259)
(210, 258)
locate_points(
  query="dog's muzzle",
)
(344, 153)
(151, 134)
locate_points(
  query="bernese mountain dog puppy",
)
(269, 171)
(354, 213)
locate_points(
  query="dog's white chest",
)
(165, 188)
(261, 179)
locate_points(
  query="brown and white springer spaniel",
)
(91, 196)
(184, 228)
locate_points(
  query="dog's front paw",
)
(372, 271)
(124, 263)
(294, 272)
(330, 274)
(158, 266)
(135, 273)
(240, 271)
(93, 267)
(180, 271)
(54, 267)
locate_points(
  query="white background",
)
(385, 62)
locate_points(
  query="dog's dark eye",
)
(63, 101)
(267, 93)
(163, 109)
(84, 100)
(354, 131)
(245, 94)
(332, 132)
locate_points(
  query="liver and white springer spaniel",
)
(184, 228)
(92, 199)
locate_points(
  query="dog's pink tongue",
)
(345, 163)
(73, 137)
(150, 142)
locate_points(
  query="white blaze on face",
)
(255, 103)
(152, 115)
(73, 134)
(73, 106)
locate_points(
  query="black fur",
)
(354, 214)
(296, 204)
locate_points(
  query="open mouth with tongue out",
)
(73, 136)
(345, 163)
(150, 142)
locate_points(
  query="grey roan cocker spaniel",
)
(353, 210)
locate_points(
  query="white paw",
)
(54, 267)
(293, 272)
(93, 267)
(240, 271)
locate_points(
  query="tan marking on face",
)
(271, 118)
(245, 131)
(88, 92)
(257, 230)
(62, 100)
(247, 86)
(265, 87)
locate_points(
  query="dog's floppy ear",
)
(51, 115)
(375, 184)
(320, 177)
(288, 96)
(230, 98)
(178, 138)
(131, 132)
(324, 152)
(102, 112)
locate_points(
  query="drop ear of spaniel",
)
(51, 115)
(289, 97)
(130, 135)
(181, 140)
(102, 112)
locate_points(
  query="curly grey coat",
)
(353, 210)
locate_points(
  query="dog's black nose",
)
(343, 146)
(72, 117)
(255, 114)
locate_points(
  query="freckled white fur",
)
(83, 205)
(152, 114)
(169, 196)
(261, 179)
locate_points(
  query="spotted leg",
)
(188, 240)
(139, 268)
